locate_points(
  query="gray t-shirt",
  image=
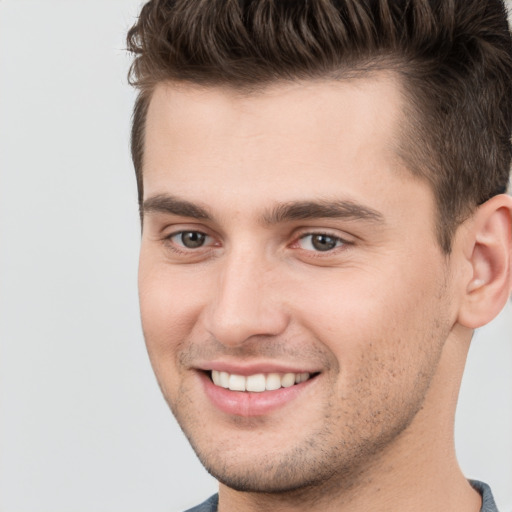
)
(488, 504)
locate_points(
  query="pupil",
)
(323, 242)
(192, 239)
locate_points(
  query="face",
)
(294, 299)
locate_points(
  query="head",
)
(323, 225)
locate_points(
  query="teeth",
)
(258, 382)
(288, 380)
(236, 382)
(224, 379)
(273, 381)
(255, 383)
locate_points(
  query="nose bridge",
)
(246, 302)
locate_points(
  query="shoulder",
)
(488, 503)
(210, 505)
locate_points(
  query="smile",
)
(258, 382)
(255, 392)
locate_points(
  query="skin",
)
(379, 318)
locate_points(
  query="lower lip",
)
(247, 404)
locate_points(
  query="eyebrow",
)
(325, 209)
(164, 203)
(285, 212)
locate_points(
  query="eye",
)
(190, 239)
(319, 242)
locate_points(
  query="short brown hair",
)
(454, 58)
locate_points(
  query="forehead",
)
(309, 112)
(286, 142)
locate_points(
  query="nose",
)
(247, 301)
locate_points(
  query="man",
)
(325, 223)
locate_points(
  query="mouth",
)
(259, 382)
(254, 392)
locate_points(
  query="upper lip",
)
(253, 368)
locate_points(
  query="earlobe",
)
(490, 256)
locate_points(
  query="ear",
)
(489, 252)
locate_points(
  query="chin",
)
(278, 479)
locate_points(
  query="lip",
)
(249, 404)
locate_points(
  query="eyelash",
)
(340, 243)
(181, 249)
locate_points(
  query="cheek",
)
(386, 335)
(377, 311)
(170, 303)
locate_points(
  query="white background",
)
(82, 424)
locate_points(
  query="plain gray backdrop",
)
(83, 427)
